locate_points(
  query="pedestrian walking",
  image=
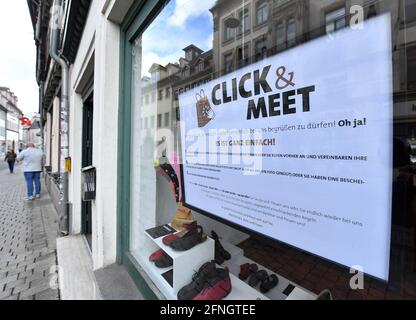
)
(33, 160)
(11, 159)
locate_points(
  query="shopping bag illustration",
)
(204, 112)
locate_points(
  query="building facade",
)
(133, 69)
(10, 116)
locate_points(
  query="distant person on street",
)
(32, 167)
(11, 159)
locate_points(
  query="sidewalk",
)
(28, 232)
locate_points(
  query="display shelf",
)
(242, 291)
(185, 263)
(155, 274)
(276, 293)
(174, 254)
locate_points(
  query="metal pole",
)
(55, 55)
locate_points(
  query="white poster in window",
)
(298, 147)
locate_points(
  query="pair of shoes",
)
(246, 270)
(267, 282)
(161, 259)
(221, 254)
(191, 239)
(172, 237)
(208, 283)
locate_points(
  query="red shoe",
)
(169, 239)
(157, 255)
(172, 237)
(217, 287)
(246, 270)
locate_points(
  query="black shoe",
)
(257, 278)
(269, 283)
(164, 262)
(221, 254)
(190, 291)
(216, 287)
(192, 239)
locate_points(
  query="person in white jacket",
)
(32, 159)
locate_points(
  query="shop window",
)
(244, 17)
(262, 12)
(335, 20)
(319, 161)
(228, 62)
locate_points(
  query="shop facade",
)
(308, 172)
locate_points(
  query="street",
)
(28, 232)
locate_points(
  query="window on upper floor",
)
(244, 17)
(410, 10)
(291, 32)
(155, 76)
(167, 119)
(189, 56)
(280, 35)
(262, 12)
(411, 68)
(200, 66)
(260, 49)
(243, 56)
(228, 32)
(335, 20)
(228, 62)
(159, 121)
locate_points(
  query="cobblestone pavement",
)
(28, 232)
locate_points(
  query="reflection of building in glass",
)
(160, 92)
(9, 121)
(32, 133)
(248, 31)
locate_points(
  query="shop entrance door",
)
(87, 145)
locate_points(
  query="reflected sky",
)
(185, 21)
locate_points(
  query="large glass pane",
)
(332, 98)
